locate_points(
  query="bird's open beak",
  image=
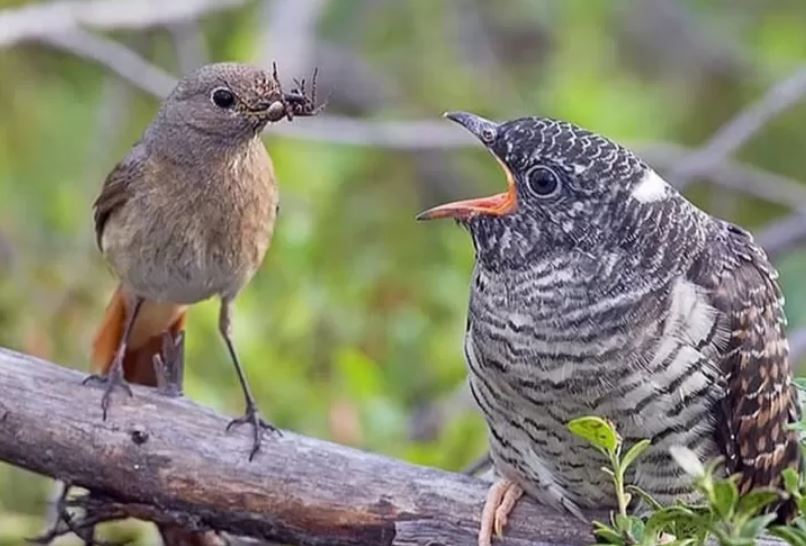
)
(495, 205)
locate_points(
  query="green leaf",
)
(605, 534)
(791, 481)
(634, 452)
(757, 525)
(637, 528)
(792, 535)
(644, 496)
(663, 519)
(752, 503)
(688, 461)
(624, 524)
(596, 430)
(725, 496)
(800, 382)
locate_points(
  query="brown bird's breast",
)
(187, 234)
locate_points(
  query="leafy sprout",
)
(719, 515)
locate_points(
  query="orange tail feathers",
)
(145, 340)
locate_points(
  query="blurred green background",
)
(352, 329)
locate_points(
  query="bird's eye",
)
(542, 181)
(223, 98)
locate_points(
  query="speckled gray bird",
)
(600, 290)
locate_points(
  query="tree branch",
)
(169, 461)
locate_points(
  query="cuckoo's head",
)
(229, 101)
(566, 188)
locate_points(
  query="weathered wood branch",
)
(170, 461)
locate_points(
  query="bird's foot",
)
(501, 499)
(113, 379)
(169, 364)
(252, 416)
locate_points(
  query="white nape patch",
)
(651, 188)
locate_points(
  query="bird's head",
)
(226, 100)
(567, 188)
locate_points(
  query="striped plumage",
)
(612, 295)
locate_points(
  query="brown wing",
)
(117, 188)
(761, 401)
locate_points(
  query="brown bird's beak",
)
(495, 205)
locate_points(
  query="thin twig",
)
(290, 32)
(116, 57)
(191, 50)
(38, 20)
(732, 135)
(781, 236)
(730, 174)
(797, 345)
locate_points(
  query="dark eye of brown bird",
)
(223, 98)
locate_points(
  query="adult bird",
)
(600, 290)
(189, 214)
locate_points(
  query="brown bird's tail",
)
(145, 340)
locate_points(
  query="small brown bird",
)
(600, 290)
(187, 215)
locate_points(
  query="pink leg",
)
(501, 499)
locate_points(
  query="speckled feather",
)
(618, 297)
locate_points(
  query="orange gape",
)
(145, 341)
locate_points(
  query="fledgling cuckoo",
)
(600, 290)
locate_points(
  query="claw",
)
(252, 416)
(169, 364)
(113, 379)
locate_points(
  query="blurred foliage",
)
(354, 324)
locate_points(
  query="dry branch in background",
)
(741, 128)
(168, 460)
(115, 56)
(712, 160)
(37, 20)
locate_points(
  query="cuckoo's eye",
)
(542, 181)
(222, 97)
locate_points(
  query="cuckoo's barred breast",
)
(599, 290)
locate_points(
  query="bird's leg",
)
(113, 378)
(501, 499)
(169, 364)
(251, 415)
